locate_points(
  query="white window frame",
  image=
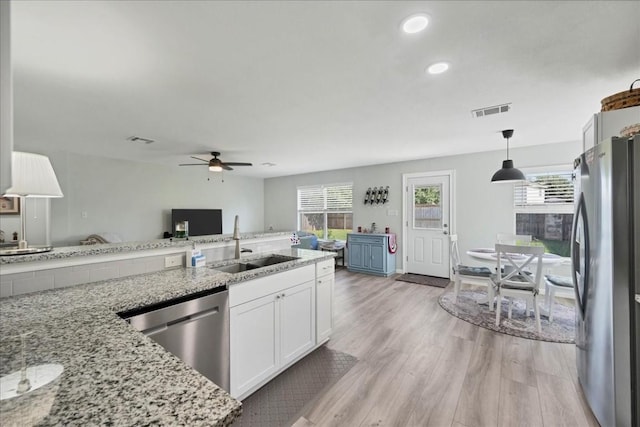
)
(559, 208)
(325, 211)
(551, 208)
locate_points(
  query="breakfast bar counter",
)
(113, 374)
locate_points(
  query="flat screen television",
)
(202, 222)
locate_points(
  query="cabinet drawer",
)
(371, 239)
(242, 292)
(325, 267)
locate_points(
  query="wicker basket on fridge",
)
(627, 98)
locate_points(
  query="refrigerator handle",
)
(581, 289)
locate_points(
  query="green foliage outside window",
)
(427, 196)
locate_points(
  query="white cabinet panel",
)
(270, 332)
(297, 325)
(255, 343)
(324, 307)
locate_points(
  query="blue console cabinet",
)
(369, 253)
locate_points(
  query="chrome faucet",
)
(236, 236)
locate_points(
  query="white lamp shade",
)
(32, 176)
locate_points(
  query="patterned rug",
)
(562, 329)
(423, 280)
(280, 402)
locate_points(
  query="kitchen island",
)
(112, 373)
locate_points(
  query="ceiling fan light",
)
(215, 168)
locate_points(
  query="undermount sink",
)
(255, 263)
(234, 268)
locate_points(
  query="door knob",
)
(445, 232)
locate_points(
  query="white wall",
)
(37, 222)
(135, 199)
(6, 100)
(482, 209)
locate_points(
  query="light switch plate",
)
(172, 261)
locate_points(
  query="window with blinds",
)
(326, 210)
(543, 206)
(546, 190)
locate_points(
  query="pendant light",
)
(508, 173)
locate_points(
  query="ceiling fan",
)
(215, 164)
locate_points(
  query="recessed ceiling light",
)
(438, 67)
(415, 23)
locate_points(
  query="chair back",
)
(513, 239)
(454, 252)
(519, 258)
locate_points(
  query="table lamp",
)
(31, 176)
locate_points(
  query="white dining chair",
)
(553, 283)
(513, 239)
(468, 274)
(515, 280)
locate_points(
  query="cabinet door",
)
(255, 342)
(324, 307)
(378, 257)
(356, 255)
(366, 255)
(297, 321)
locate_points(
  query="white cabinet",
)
(297, 322)
(272, 324)
(254, 343)
(324, 300)
(606, 124)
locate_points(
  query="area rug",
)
(280, 402)
(561, 330)
(424, 280)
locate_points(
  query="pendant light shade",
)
(508, 173)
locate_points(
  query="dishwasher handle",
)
(183, 320)
(154, 321)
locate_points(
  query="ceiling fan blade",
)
(237, 164)
(193, 164)
(198, 158)
(226, 167)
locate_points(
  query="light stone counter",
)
(112, 373)
(66, 252)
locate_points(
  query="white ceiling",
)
(312, 85)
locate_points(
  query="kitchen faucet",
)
(236, 236)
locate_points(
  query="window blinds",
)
(335, 198)
(544, 189)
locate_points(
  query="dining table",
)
(489, 255)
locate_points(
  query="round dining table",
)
(490, 255)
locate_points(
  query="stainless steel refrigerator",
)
(606, 275)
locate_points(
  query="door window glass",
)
(427, 206)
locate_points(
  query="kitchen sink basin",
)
(270, 260)
(235, 268)
(255, 263)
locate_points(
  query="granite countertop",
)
(112, 373)
(115, 248)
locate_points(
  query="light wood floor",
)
(420, 366)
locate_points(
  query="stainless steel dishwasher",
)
(194, 328)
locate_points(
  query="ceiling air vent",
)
(488, 111)
(140, 140)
